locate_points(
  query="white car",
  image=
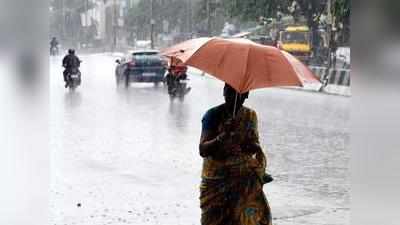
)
(143, 44)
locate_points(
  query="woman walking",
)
(234, 165)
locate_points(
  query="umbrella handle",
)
(234, 106)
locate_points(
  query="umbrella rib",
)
(201, 46)
(223, 55)
(246, 75)
(268, 68)
(292, 68)
(167, 52)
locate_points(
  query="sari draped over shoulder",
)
(231, 192)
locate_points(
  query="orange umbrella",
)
(243, 64)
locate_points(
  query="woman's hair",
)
(229, 88)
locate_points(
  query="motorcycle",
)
(53, 50)
(176, 79)
(73, 79)
(178, 88)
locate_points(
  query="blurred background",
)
(26, 28)
(322, 26)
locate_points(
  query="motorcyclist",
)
(70, 63)
(54, 44)
(176, 73)
(171, 81)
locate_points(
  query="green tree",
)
(176, 12)
(251, 10)
(236, 10)
(65, 17)
(342, 11)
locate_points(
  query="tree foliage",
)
(175, 12)
(341, 10)
(65, 17)
(251, 10)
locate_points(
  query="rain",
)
(125, 150)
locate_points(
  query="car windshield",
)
(295, 37)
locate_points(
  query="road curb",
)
(334, 76)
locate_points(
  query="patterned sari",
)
(231, 192)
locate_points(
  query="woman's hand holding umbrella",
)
(227, 139)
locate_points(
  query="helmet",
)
(71, 51)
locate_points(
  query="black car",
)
(141, 66)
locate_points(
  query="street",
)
(131, 156)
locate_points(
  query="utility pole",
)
(115, 25)
(329, 37)
(189, 15)
(329, 31)
(208, 17)
(86, 21)
(86, 11)
(63, 20)
(151, 25)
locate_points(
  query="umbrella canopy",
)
(243, 64)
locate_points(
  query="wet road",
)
(131, 156)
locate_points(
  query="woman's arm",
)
(209, 146)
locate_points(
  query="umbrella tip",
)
(181, 51)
